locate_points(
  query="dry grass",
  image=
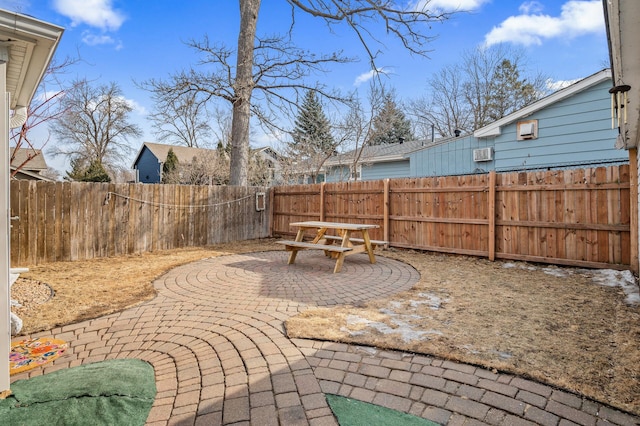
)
(561, 329)
(551, 324)
(93, 288)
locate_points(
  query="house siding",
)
(391, 169)
(371, 171)
(148, 167)
(575, 131)
(337, 174)
(451, 158)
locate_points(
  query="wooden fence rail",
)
(56, 221)
(575, 217)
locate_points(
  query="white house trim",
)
(495, 128)
(28, 46)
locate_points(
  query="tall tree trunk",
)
(243, 88)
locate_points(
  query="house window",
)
(355, 172)
(527, 130)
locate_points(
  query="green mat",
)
(115, 392)
(351, 412)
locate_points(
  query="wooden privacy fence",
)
(56, 221)
(575, 217)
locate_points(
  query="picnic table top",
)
(334, 225)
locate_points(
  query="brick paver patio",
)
(215, 337)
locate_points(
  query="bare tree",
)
(487, 85)
(352, 133)
(272, 65)
(212, 168)
(222, 129)
(45, 107)
(444, 109)
(181, 120)
(260, 173)
(95, 125)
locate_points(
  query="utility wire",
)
(177, 206)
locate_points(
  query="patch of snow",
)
(606, 277)
(356, 320)
(395, 305)
(404, 329)
(555, 272)
(353, 333)
(503, 355)
(434, 302)
(624, 279)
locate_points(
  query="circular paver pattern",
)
(215, 337)
(241, 281)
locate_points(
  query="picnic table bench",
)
(324, 242)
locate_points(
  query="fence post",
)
(492, 215)
(385, 220)
(633, 205)
(271, 209)
(322, 201)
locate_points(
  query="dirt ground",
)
(576, 329)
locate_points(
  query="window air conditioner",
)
(483, 154)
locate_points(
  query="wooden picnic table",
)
(323, 241)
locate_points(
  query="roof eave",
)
(495, 128)
(622, 20)
(40, 40)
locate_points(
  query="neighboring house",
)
(152, 156)
(569, 128)
(29, 163)
(273, 161)
(371, 162)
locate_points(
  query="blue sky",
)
(128, 41)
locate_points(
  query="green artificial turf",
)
(351, 412)
(115, 392)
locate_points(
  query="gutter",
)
(18, 118)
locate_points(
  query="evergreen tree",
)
(508, 93)
(169, 166)
(95, 172)
(390, 125)
(312, 133)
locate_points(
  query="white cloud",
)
(532, 27)
(140, 109)
(531, 7)
(559, 84)
(95, 40)
(364, 77)
(95, 13)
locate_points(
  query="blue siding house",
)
(569, 128)
(152, 156)
(371, 162)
